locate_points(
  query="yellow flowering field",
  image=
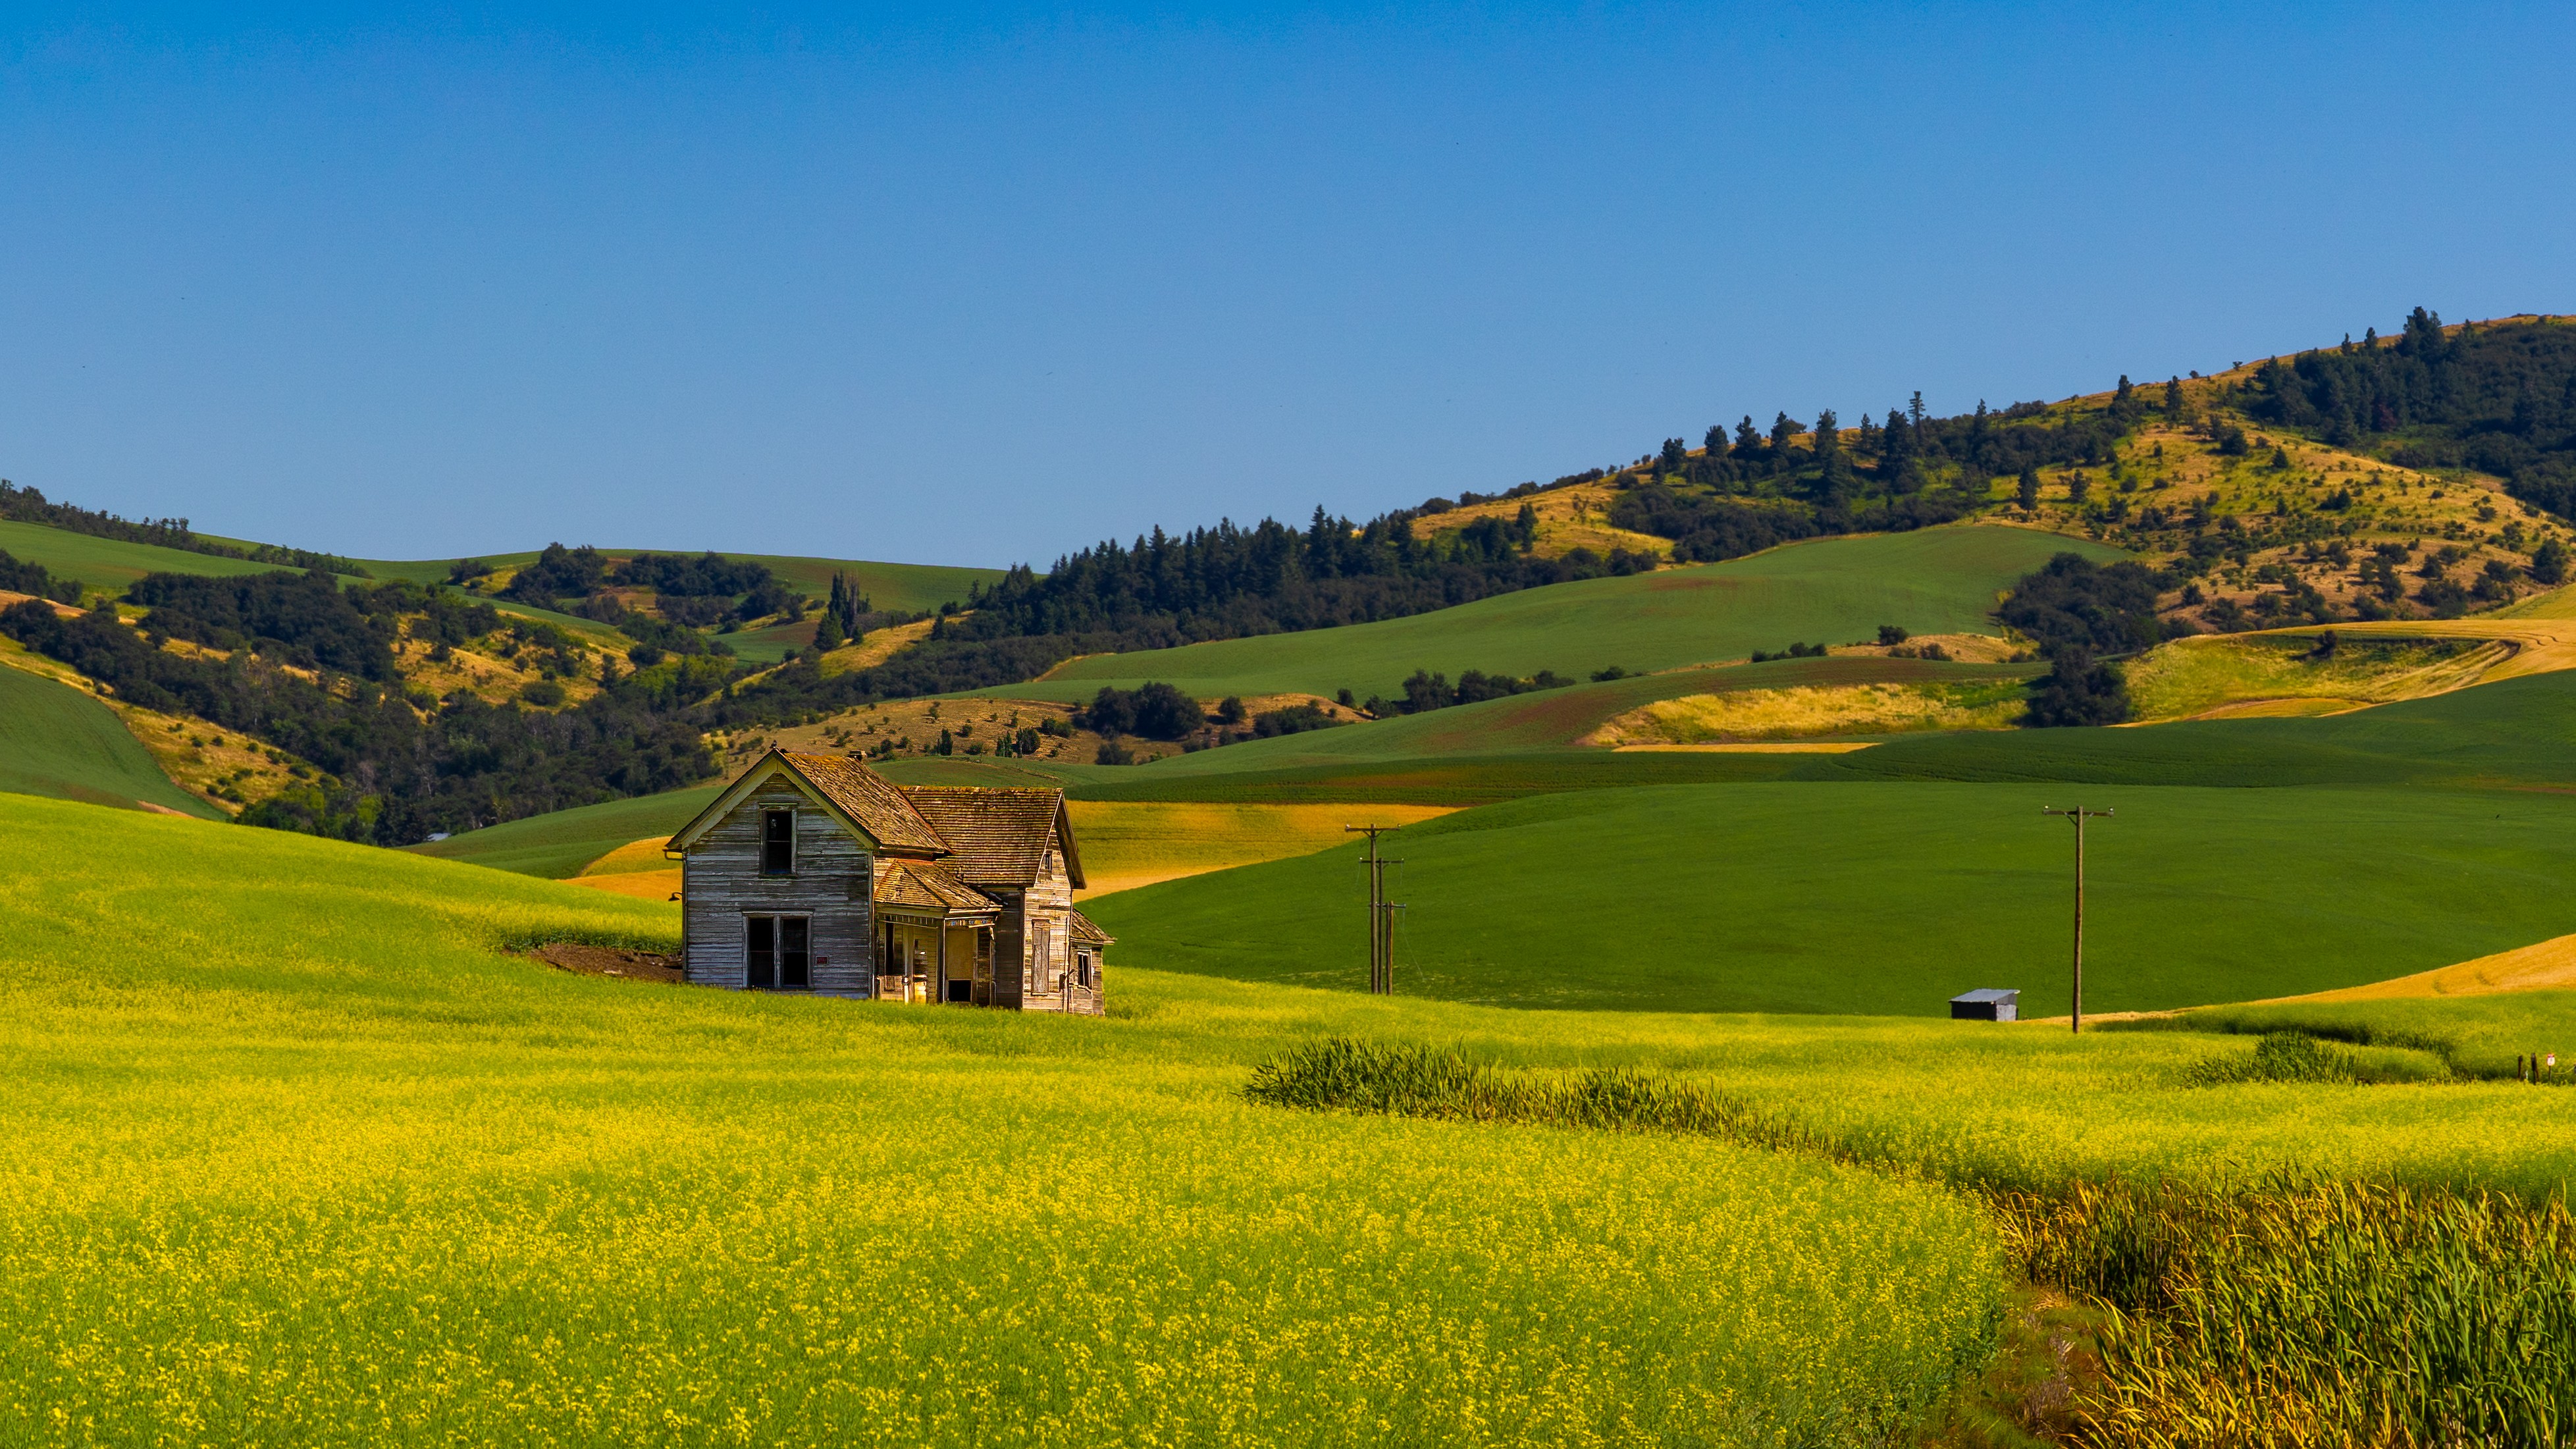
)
(297, 1155)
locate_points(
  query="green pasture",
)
(298, 1155)
(1890, 899)
(56, 740)
(111, 564)
(1465, 780)
(2517, 732)
(2472, 1035)
(558, 844)
(1834, 591)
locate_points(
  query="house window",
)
(777, 953)
(777, 842)
(1082, 965)
(1042, 972)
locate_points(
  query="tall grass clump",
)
(2293, 1312)
(1344, 1074)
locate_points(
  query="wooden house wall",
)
(834, 883)
(1049, 905)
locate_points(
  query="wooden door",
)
(795, 942)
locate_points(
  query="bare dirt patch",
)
(617, 961)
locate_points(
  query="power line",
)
(2078, 816)
(1381, 913)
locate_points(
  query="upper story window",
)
(777, 842)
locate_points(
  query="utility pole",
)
(1381, 914)
(2079, 815)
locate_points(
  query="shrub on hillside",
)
(2079, 690)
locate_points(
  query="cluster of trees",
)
(1425, 691)
(1152, 710)
(2076, 612)
(395, 768)
(31, 578)
(29, 505)
(847, 614)
(300, 619)
(2499, 399)
(693, 592)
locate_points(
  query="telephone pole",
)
(2078, 815)
(1381, 914)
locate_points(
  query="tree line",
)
(2500, 399)
(29, 505)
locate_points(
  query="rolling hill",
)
(1932, 581)
(56, 740)
(110, 563)
(1889, 899)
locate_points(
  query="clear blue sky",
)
(983, 286)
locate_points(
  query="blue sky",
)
(983, 286)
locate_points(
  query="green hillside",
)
(1552, 719)
(2517, 731)
(1935, 580)
(1880, 898)
(108, 563)
(56, 740)
(557, 845)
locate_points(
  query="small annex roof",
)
(868, 801)
(1087, 934)
(1000, 836)
(924, 886)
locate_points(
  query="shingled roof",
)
(1087, 934)
(875, 802)
(999, 836)
(930, 887)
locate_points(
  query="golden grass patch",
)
(2235, 675)
(1131, 843)
(2543, 966)
(1568, 519)
(1772, 714)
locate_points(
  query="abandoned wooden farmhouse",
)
(815, 873)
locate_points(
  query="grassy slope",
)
(1554, 718)
(1892, 898)
(1832, 590)
(55, 740)
(559, 844)
(2518, 731)
(107, 563)
(278, 1102)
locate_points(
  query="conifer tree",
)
(2029, 486)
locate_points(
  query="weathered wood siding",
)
(834, 883)
(1046, 917)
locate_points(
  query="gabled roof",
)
(875, 802)
(866, 801)
(925, 886)
(1000, 836)
(1087, 934)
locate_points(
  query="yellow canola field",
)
(298, 1156)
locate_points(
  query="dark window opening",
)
(777, 953)
(761, 968)
(777, 842)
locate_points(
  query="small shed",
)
(1992, 1004)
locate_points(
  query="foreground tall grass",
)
(296, 1155)
(2317, 1312)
